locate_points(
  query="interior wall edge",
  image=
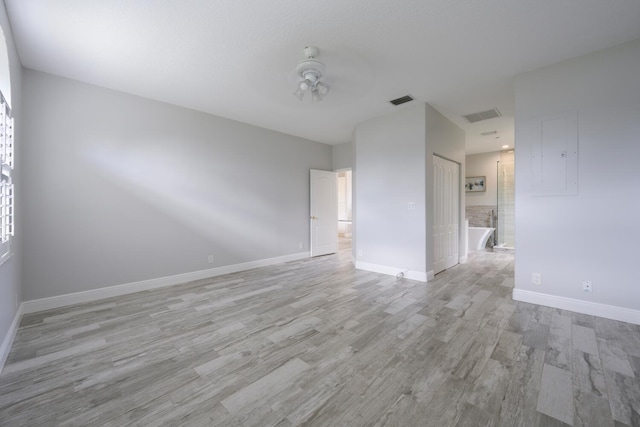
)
(7, 342)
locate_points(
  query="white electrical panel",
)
(554, 155)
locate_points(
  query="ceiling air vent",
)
(401, 100)
(482, 115)
(491, 132)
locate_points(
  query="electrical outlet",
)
(300, 245)
(360, 252)
(587, 286)
(411, 206)
(210, 259)
(536, 278)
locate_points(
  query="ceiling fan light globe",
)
(304, 85)
(298, 94)
(322, 89)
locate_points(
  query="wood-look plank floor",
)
(316, 342)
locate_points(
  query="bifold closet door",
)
(446, 213)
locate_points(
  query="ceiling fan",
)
(311, 71)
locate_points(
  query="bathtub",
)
(477, 237)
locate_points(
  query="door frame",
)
(323, 212)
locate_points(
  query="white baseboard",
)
(9, 337)
(585, 307)
(58, 301)
(420, 276)
(463, 259)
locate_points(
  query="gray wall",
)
(394, 166)
(592, 235)
(119, 189)
(390, 172)
(445, 139)
(10, 283)
(342, 155)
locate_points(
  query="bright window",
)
(7, 208)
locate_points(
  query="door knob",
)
(314, 217)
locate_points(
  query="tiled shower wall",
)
(480, 216)
(506, 199)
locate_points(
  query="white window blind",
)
(7, 208)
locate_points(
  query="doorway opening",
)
(345, 207)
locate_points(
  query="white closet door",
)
(446, 194)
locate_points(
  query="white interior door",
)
(324, 212)
(446, 181)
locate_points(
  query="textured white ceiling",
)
(236, 58)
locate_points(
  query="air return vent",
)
(491, 132)
(401, 100)
(482, 115)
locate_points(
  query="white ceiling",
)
(236, 58)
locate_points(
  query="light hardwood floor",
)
(316, 342)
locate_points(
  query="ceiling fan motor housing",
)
(310, 66)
